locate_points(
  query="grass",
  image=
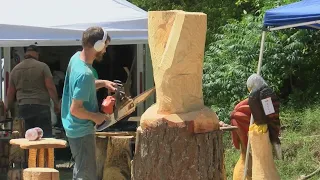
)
(300, 144)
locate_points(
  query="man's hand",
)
(100, 118)
(111, 86)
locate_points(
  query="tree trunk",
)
(179, 137)
(167, 153)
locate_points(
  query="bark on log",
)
(118, 161)
(101, 151)
(179, 137)
(17, 155)
(177, 154)
(40, 174)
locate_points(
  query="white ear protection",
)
(100, 44)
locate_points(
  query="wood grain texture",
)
(177, 40)
(263, 165)
(101, 152)
(40, 174)
(118, 159)
(42, 143)
(175, 153)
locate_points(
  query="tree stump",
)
(17, 156)
(40, 174)
(118, 160)
(15, 174)
(178, 137)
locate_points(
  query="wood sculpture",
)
(263, 166)
(178, 137)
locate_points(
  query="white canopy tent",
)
(61, 23)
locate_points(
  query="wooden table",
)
(43, 145)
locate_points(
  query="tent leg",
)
(261, 51)
(251, 119)
(1, 70)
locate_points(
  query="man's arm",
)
(81, 94)
(77, 110)
(50, 86)
(100, 83)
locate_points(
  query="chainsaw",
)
(119, 105)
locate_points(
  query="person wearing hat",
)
(31, 84)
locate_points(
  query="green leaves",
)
(233, 56)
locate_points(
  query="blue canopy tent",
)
(304, 14)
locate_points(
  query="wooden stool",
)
(40, 174)
(43, 145)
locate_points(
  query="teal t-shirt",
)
(79, 84)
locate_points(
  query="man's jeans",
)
(37, 116)
(83, 151)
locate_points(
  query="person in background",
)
(80, 110)
(31, 84)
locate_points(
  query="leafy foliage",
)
(290, 63)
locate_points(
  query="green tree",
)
(290, 55)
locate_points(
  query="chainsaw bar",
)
(126, 109)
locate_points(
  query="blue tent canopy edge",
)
(300, 12)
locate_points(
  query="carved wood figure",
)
(178, 137)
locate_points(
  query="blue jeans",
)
(83, 151)
(36, 115)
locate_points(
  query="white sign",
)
(268, 106)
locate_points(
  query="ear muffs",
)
(100, 44)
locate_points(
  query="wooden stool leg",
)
(32, 162)
(41, 158)
(50, 158)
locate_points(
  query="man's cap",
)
(33, 48)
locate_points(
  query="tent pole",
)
(261, 51)
(251, 119)
(1, 70)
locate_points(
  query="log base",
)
(40, 174)
(173, 152)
